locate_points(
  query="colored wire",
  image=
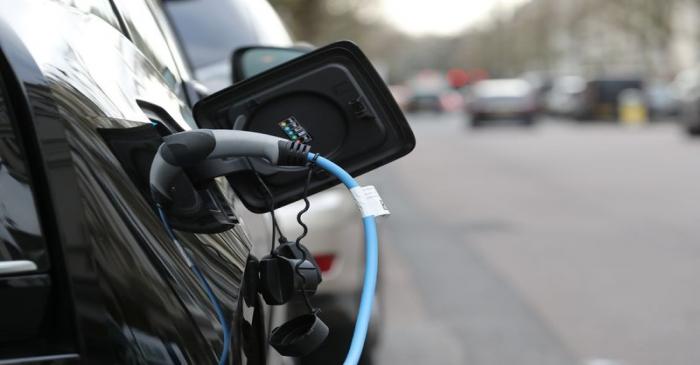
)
(204, 284)
(371, 265)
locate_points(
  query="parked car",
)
(601, 101)
(687, 86)
(567, 97)
(209, 31)
(335, 237)
(662, 100)
(541, 83)
(504, 99)
(430, 91)
(87, 272)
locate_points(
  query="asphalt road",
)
(558, 244)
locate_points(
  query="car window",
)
(170, 38)
(210, 30)
(21, 237)
(147, 35)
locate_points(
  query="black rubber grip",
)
(188, 148)
(292, 153)
(162, 200)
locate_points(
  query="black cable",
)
(305, 230)
(275, 225)
(271, 206)
(306, 201)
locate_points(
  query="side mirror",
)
(249, 61)
(332, 99)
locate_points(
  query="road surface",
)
(560, 244)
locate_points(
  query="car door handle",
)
(16, 267)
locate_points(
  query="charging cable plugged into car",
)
(290, 268)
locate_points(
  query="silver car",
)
(501, 99)
(209, 31)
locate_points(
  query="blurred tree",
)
(650, 23)
(303, 17)
(319, 21)
(550, 36)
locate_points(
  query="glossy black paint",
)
(119, 291)
(20, 231)
(58, 338)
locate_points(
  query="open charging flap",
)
(331, 99)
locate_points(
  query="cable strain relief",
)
(292, 153)
(162, 200)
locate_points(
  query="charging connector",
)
(190, 148)
(186, 149)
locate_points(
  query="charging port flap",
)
(331, 99)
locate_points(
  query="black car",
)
(600, 99)
(87, 272)
(103, 260)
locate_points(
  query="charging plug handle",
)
(187, 149)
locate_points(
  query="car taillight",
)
(325, 262)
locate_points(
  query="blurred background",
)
(563, 229)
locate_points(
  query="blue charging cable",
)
(371, 264)
(205, 285)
